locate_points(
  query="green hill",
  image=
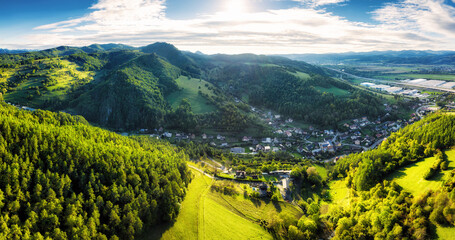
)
(122, 87)
(61, 178)
(129, 96)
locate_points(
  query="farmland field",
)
(189, 88)
(445, 77)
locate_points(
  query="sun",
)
(236, 6)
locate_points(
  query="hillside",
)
(64, 179)
(130, 95)
(417, 199)
(122, 87)
(294, 89)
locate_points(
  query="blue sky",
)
(232, 26)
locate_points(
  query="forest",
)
(61, 178)
(125, 88)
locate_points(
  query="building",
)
(263, 190)
(238, 150)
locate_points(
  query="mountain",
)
(174, 56)
(106, 47)
(121, 87)
(130, 95)
(61, 178)
(7, 51)
(397, 57)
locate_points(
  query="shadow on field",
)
(155, 232)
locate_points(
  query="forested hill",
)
(129, 88)
(410, 144)
(292, 88)
(61, 178)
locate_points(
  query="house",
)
(267, 140)
(259, 148)
(238, 150)
(288, 133)
(263, 190)
(267, 148)
(275, 149)
(167, 134)
(224, 145)
(240, 174)
(357, 142)
(213, 144)
(245, 139)
(204, 136)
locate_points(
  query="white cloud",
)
(317, 3)
(431, 17)
(411, 24)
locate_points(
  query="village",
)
(354, 135)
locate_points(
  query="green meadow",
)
(335, 91)
(189, 89)
(411, 176)
(202, 216)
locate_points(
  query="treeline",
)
(441, 163)
(60, 178)
(412, 143)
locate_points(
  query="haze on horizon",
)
(233, 26)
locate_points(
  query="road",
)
(201, 171)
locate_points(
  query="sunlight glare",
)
(236, 6)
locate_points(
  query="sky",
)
(232, 26)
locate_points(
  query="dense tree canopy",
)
(63, 179)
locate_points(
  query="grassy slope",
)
(201, 217)
(254, 210)
(65, 76)
(411, 177)
(335, 91)
(220, 223)
(189, 90)
(339, 193)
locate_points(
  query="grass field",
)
(411, 177)
(301, 75)
(254, 210)
(202, 217)
(339, 193)
(321, 170)
(189, 90)
(335, 91)
(445, 233)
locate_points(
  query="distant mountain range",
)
(392, 57)
(7, 51)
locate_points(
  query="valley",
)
(251, 146)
